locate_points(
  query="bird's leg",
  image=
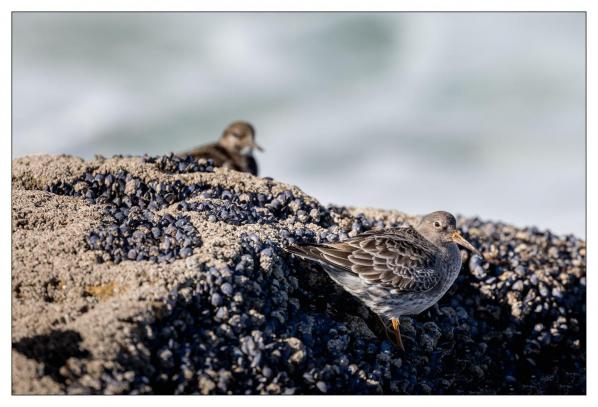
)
(395, 327)
(385, 327)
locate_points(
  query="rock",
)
(162, 275)
(227, 289)
(323, 387)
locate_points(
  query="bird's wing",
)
(402, 259)
(208, 151)
(388, 231)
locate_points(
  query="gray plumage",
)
(400, 271)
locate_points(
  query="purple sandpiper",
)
(233, 150)
(398, 271)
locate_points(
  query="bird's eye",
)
(436, 224)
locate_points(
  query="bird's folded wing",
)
(402, 259)
(213, 151)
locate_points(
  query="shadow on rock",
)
(53, 350)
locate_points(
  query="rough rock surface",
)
(155, 275)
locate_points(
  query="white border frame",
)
(8, 6)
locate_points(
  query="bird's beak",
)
(256, 146)
(457, 238)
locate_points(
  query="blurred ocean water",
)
(476, 113)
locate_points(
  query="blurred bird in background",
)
(234, 150)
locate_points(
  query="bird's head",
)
(440, 228)
(240, 138)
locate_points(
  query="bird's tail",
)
(338, 273)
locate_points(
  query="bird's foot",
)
(398, 340)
